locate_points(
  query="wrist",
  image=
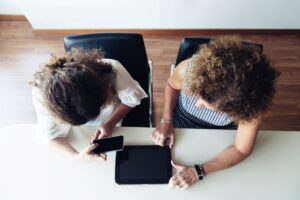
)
(164, 120)
(109, 124)
(167, 116)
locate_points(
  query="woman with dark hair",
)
(226, 84)
(82, 87)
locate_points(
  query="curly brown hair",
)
(233, 76)
(77, 85)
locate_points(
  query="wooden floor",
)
(21, 52)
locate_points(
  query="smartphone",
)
(109, 144)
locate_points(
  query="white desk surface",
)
(30, 170)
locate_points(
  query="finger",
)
(96, 157)
(153, 136)
(181, 182)
(156, 138)
(91, 148)
(94, 137)
(185, 187)
(102, 134)
(172, 181)
(103, 156)
(182, 185)
(177, 166)
(161, 141)
(172, 140)
(170, 184)
(177, 183)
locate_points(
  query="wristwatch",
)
(200, 172)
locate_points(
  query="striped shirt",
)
(188, 115)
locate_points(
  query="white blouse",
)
(128, 90)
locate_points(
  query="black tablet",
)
(149, 164)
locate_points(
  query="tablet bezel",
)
(144, 181)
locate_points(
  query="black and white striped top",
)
(188, 115)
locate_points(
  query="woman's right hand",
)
(164, 133)
(87, 155)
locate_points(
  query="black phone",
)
(109, 144)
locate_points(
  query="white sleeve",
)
(48, 128)
(129, 91)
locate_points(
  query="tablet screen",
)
(143, 165)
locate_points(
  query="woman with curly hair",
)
(226, 84)
(82, 87)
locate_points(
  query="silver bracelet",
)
(163, 121)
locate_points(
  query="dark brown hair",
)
(76, 86)
(233, 76)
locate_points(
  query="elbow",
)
(244, 153)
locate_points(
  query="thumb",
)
(103, 156)
(172, 141)
(177, 166)
(96, 135)
(90, 148)
(102, 133)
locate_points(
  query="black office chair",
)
(129, 49)
(189, 46)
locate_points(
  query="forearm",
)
(118, 114)
(64, 147)
(170, 100)
(227, 158)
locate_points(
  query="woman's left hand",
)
(184, 176)
(103, 131)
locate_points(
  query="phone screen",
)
(109, 144)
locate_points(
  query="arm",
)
(118, 114)
(172, 89)
(63, 146)
(130, 94)
(239, 151)
(165, 130)
(234, 154)
(106, 129)
(54, 133)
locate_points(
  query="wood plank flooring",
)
(21, 52)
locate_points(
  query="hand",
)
(184, 176)
(164, 132)
(87, 154)
(103, 131)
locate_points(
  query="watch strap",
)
(199, 170)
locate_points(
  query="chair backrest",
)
(129, 49)
(189, 46)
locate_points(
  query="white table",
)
(30, 170)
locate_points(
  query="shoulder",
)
(114, 63)
(37, 94)
(176, 80)
(250, 125)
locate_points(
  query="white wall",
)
(9, 7)
(162, 14)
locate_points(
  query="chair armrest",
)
(150, 62)
(172, 69)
